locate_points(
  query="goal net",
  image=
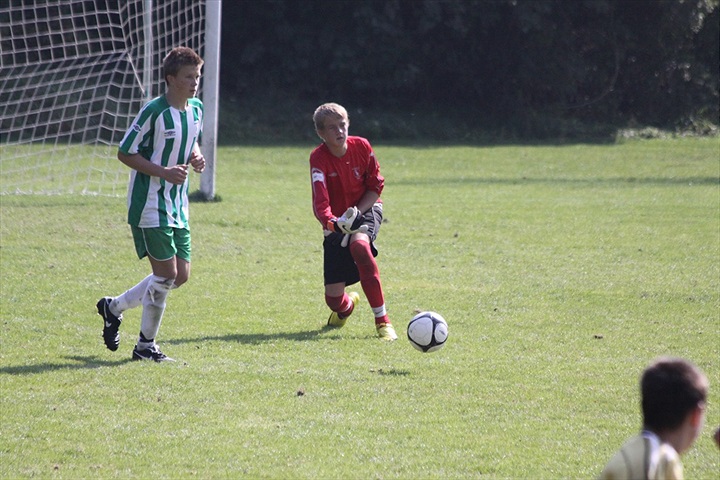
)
(73, 76)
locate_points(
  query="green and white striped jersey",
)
(165, 136)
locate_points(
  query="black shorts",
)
(338, 264)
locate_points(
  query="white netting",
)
(73, 75)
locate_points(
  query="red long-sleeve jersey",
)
(340, 183)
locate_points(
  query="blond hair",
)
(328, 110)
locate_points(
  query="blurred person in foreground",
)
(673, 395)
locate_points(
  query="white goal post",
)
(74, 74)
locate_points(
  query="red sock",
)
(382, 320)
(369, 277)
(342, 305)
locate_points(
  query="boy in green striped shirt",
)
(160, 146)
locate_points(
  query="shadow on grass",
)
(258, 338)
(79, 363)
(91, 362)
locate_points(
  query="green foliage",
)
(562, 272)
(502, 62)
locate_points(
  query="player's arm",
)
(323, 211)
(367, 201)
(197, 160)
(320, 196)
(374, 183)
(348, 223)
(175, 174)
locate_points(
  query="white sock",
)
(154, 305)
(131, 298)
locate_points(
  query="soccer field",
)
(561, 271)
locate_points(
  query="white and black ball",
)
(427, 331)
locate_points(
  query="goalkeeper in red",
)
(346, 188)
(160, 147)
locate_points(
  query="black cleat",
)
(111, 323)
(152, 353)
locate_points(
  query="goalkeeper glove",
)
(350, 222)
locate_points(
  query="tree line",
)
(515, 63)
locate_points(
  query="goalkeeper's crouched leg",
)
(369, 273)
(342, 305)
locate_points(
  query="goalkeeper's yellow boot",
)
(386, 332)
(336, 320)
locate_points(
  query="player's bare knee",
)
(361, 253)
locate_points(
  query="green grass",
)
(562, 271)
(56, 169)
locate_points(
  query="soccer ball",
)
(427, 331)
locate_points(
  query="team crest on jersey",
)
(356, 172)
(317, 175)
(169, 133)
